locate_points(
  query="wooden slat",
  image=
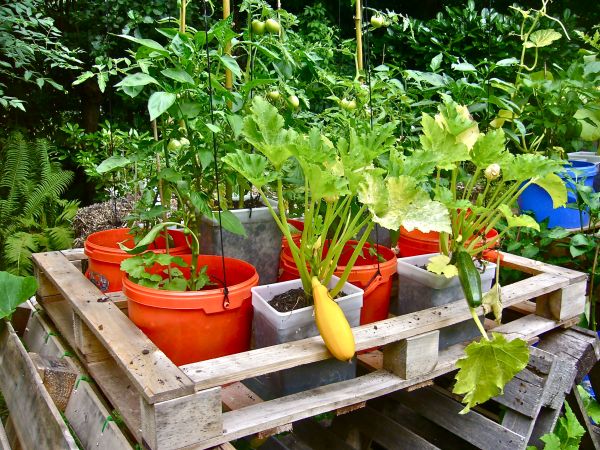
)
(37, 421)
(4, 445)
(85, 408)
(61, 313)
(257, 362)
(120, 392)
(153, 374)
(299, 406)
(536, 267)
(384, 430)
(474, 428)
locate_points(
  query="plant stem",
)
(478, 323)
(592, 296)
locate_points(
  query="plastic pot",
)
(377, 288)
(260, 248)
(194, 326)
(105, 255)
(272, 327)
(536, 199)
(415, 242)
(420, 289)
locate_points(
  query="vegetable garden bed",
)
(165, 406)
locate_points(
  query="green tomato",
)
(184, 142)
(376, 21)
(351, 105)
(274, 95)
(294, 101)
(272, 26)
(258, 27)
(173, 145)
(344, 103)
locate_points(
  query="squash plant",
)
(478, 180)
(346, 192)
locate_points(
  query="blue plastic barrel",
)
(538, 201)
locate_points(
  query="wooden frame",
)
(151, 392)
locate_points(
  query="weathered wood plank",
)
(536, 267)
(88, 417)
(61, 313)
(563, 304)
(4, 445)
(81, 411)
(120, 392)
(383, 430)
(412, 356)
(156, 377)
(257, 362)
(181, 422)
(58, 377)
(37, 421)
(474, 428)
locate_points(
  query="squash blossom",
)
(492, 172)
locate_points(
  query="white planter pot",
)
(420, 289)
(271, 327)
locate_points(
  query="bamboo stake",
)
(182, 16)
(359, 43)
(228, 74)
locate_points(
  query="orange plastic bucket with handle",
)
(105, 255)
(377, 287)
(191, 326)
(415, 242)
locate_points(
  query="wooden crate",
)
(166, 407)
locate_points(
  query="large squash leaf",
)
(14, 290)
(488, 366)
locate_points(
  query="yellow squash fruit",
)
(332, 323)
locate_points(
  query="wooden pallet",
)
(428, 418)
(165, 406)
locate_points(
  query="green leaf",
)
(14, 290)
(440, 142)
(230, 63)
(179, 75)
(137, 79)
(146, 43)
(159, 102)
(148, 239)
(555, 187)
(518, 221)
(542, 38)
(264, 130)
(440, 264)
(529, 166)
(464, 67)
(552, 442)
(175, 284)
(112, 163)
(231, 222)
(134, 266)
(592, 407)
(436, 61)
(213, 128)
(252, 166)
(490, 149)
(589, 131)
(488, 366)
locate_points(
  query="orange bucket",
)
(376, 299)
(191, 326)
(105, 255)
(415, 242)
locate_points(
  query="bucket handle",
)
(374, 283)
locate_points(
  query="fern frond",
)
(48, 190)
(17, 253)
(68, 213)
(40, 156)
(59, 238)
(14, 162)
